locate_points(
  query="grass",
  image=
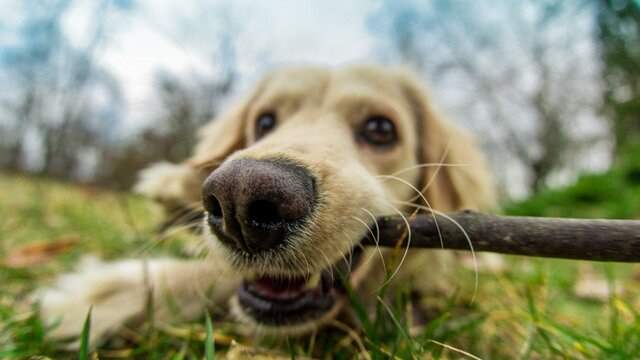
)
(209, 344)
(529, 311)
(84, 338)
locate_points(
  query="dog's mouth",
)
(294, 300)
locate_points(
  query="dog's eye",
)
(265, 123)
(379, 131)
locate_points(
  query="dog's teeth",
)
(313, 281)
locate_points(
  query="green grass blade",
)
(84, 340)
(209, 344)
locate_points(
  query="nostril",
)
(263, 212)
(212, 205)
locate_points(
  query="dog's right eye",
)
(379, 131)
(265, 123)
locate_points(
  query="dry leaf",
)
(240, 352)
(38, 253)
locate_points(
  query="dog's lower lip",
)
(275, 301)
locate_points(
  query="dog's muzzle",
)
(253, 208)
(254, 205)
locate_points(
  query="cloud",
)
(180, 37)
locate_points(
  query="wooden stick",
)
(597, 240)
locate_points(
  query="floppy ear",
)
(177, 186)
(463, 181)
(219, 139)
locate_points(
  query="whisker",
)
(406, 251)
(185, 212)
(473, 252)
(348, 261)
(327, 262)
(193, 205)
(377, 238)
(156, 238)
(420, 195)
(376, 241)
(445, 153)
(304, 258)
(468, 239)
(179, 221)
(176, 229)
(145, 248)
(311, 246)
(375, 222)
(427, 165)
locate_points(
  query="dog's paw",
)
(169, 183)
(115, 292)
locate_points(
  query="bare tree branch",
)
(597, 240)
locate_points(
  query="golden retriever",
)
(291, 179)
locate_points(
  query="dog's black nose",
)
(256, 204)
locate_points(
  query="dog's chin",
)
(295, 304)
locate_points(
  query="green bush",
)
(612, 194)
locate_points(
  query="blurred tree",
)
(521, 77)
(62, 105)
(619, 33)
(186, 104)
(62, 118)
(187, 101)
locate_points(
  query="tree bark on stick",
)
(583, 239)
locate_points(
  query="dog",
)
(289, 181)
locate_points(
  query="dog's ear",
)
(226, 134)
(463, 180)
(219, 139)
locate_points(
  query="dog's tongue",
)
(279, 289)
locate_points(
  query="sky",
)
(142, 38)
(178, 37)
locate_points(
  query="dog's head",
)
(297, 173)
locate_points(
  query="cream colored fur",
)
(318, 111)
